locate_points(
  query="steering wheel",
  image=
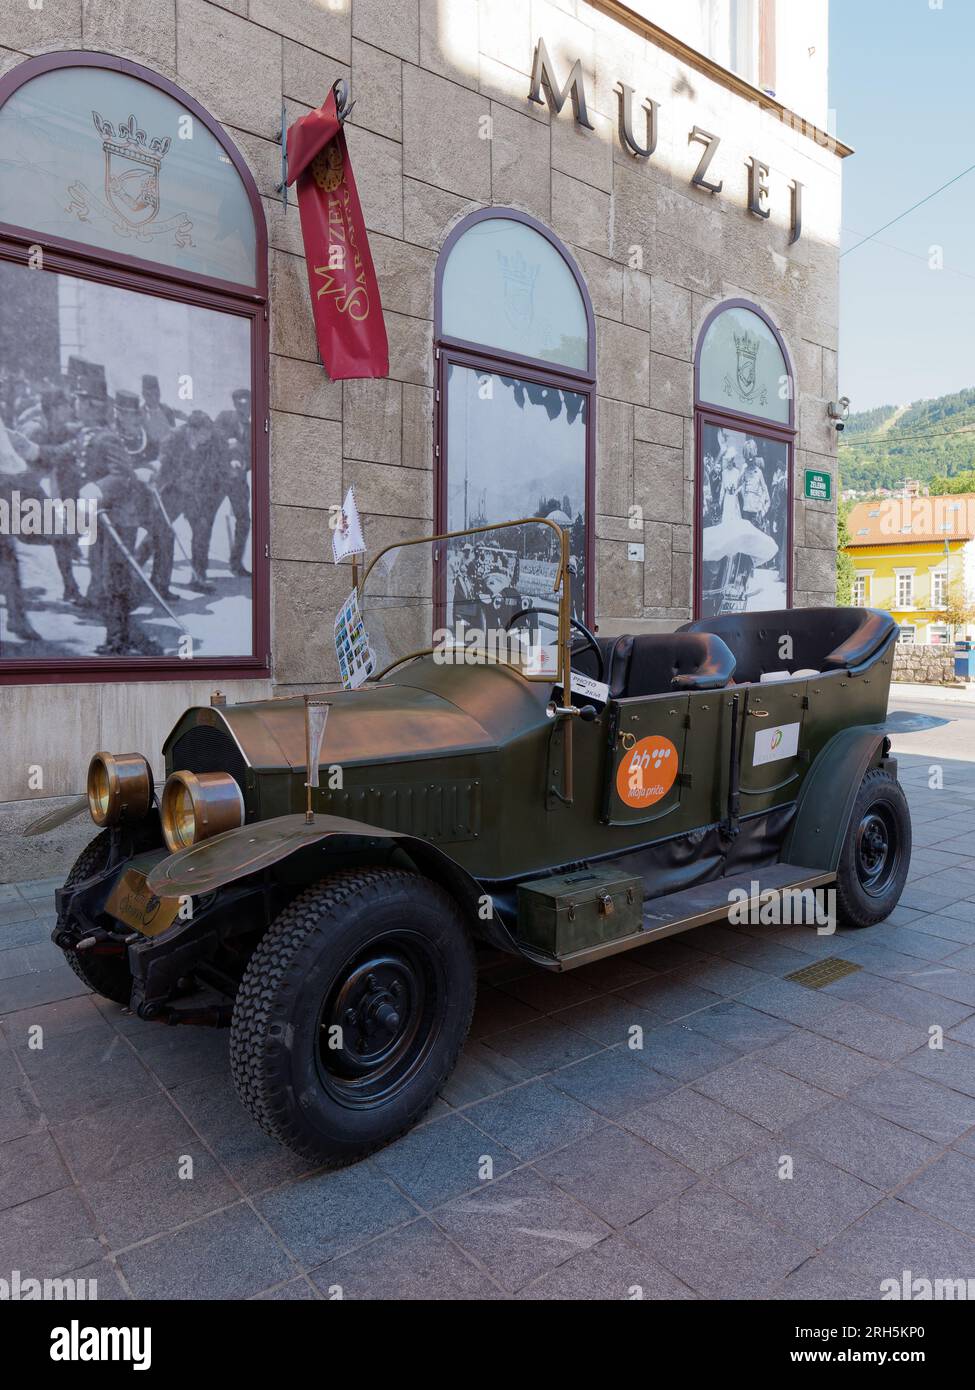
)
(589, 639)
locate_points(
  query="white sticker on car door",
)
(781, 741)
(592, 689)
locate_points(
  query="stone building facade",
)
(443, 125)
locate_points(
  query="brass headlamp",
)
(196, 805)
(119, 788)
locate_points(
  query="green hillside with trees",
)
(933, 441)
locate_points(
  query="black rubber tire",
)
(856, 906)
(276, 1018)
(106, 975)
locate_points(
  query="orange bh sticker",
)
(647, 772)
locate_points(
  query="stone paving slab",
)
(613, 1269)
(896, 1236)
(828, 1065)
(533, 1119)
(418, 1261)
(816, 1201)
(613, 1133)
(917, 1104)
(616, 1175)
(718, 1245)
(520, 1227)
(860, 1142)
(696, 1130)
(228, 1255)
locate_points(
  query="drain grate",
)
(823, 972)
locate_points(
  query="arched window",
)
(744, 407)
(133, 381)
(515, 392)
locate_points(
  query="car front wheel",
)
(877, 853)
(352, 1011)
(105, 970)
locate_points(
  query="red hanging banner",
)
(344, 292)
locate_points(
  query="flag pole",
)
(309, 813)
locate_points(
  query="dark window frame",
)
(478, 357)
(706, 413)
(86, 262)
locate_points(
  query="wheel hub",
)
(379, 1020)
(874, 844)
(372, 1010)
(876, 849)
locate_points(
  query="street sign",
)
(819, 485)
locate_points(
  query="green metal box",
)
(572, 912)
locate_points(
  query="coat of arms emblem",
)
(132, 164)
(745, 382)
(327, 168)
(747, 349)
(131, 184)
(519, 289)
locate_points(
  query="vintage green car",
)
(554, 794)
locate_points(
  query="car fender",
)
(252, 849)
(828, 792)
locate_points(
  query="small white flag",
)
(347, 537)
(316, 717)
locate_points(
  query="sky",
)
(902, 89)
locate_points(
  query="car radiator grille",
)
(205, 749)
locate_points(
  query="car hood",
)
(401, 719)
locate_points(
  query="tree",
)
(933, 441)
(959, 607)
(845, 568)
(961, 482)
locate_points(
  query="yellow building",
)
(907, 553)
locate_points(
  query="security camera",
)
(838, 412)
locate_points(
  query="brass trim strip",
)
(400, 661)
(489, 659)
(725, 78)
(220, 711)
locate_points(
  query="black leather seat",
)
(655, 663)
(823, 639)
(584, 661)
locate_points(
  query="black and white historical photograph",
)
(514, 449)
(744, 522)
(132, 413)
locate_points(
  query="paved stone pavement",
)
(559, 1162)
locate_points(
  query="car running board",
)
(694, 907)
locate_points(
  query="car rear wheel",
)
(877, 854)
(351, 1013)
(106, 974)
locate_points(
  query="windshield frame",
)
(560, 590)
